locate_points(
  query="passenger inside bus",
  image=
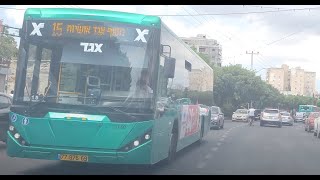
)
(143, 89)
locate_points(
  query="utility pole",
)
(252, 53)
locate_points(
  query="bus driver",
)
(143, 89)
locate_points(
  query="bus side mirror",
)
(169, 67)
(165, 50)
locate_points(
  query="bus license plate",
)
(72, 157)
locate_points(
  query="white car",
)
(286, 118)
(299, 117)
(241, 115)
(271, 117)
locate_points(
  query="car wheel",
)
(221, 127)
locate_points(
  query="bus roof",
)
(307, 105)
(92, 14)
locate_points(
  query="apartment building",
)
(210, 47)
(294, 81)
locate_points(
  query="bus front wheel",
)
(173, 146)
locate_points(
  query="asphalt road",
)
(236, 149)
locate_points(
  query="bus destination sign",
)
(85, 29)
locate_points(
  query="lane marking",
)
(214, 149)
(201, 165)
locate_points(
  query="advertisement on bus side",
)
(190, 120)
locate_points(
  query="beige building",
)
(310, 83)
(210, 47)
(276, 77)
(294, 81)
(201, 79)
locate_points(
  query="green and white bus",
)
(105, 87)
(308, 108)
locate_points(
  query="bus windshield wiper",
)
(42, 100)
(117, 110)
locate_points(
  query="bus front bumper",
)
(139, 155)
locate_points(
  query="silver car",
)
(271, 117)
(217, 118)
(286, 118)
(5, 104)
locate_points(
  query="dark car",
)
(5, 104)
(257, 113)
(217, 118)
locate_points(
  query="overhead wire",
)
(217, 14)
(234, 37)
(265, 7)
(241, 13)
(261, 56)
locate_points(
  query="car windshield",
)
(242, 111)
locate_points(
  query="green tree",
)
(8, 47)
(235, 87)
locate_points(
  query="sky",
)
(279, 33)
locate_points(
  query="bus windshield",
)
(75, 70)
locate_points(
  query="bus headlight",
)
(137, 142)
(147, 137)
(17, 135)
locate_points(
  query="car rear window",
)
(271, 111)
(214, 110)
(285, 114)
